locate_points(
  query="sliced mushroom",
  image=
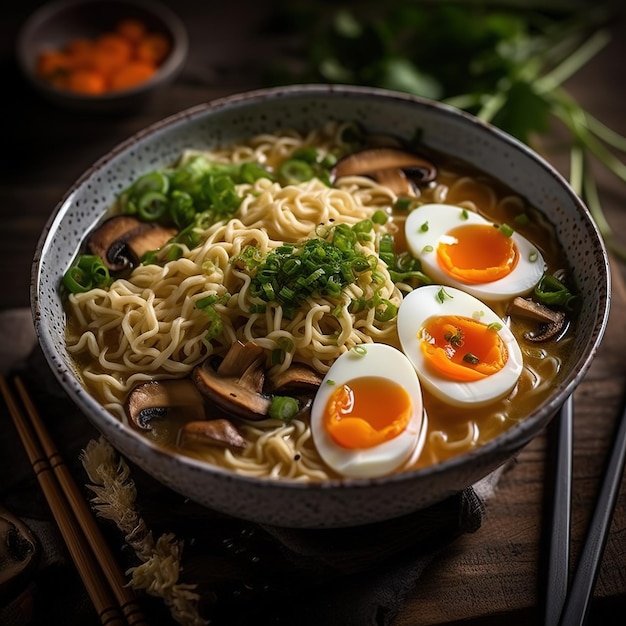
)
(396, 180)
(157, 399)
(298, 378)
(103, 240)
(551, 322)
(240, 394)
(370, 161)
(121, 240)
(147, 239)
(239, 358)
(217, 431)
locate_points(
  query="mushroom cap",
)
(220, 432)
(297, 378)
(157, 398)
(236, 386)
(122, 239)
(374, 161)
(551, 322)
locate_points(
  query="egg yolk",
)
(462, 348)
(365, 412)
(477, 253)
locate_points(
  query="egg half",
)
(367, 418)
(461, 248)
(462, 351)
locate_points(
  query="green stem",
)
(463, 101)
(573, 63)
(606, 134)
(575, 118)
(561, 98)
(491, 107)
(592, 199)
(577, 169)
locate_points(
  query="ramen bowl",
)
(335, 502)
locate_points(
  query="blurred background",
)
(505, 60)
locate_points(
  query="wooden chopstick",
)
(557, 576)
(115, 603)
(579, 597)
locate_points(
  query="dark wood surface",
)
(493, 576)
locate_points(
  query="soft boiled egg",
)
(461, 248)
(367, 418)
(463, 352)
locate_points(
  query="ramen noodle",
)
(153, 323)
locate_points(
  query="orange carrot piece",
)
(87, 82)
(52, 63)
(131, 75)
(132, 29)
(116, 60)
(153, 48)
(79, 48)
(110, 53)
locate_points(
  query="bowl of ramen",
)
(320, 306)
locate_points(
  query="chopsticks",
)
(114, 602)
(570, 608)
(559, 539)
(579, 597)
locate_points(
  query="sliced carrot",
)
(110, 53)
(86, 82)
(131, 75)
(79, 50)
(131, 29)
(153, 48)
(118, 59)
(52, 63)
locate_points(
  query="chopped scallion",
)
(470, 358)
(506, 230)
(88, 272)
(294, 171)
(283, 408)
(552, 292)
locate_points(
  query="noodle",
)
(148, 325)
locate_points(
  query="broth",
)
(147, 325)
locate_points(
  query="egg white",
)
(440, 219)
(428, 301)
(376, 360)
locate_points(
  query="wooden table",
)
(494, 576)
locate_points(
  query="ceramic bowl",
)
(55, 24)
(335, 503)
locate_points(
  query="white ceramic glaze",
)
(334, 503)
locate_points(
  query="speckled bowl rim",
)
(506, 444)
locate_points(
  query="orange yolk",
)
(477, 253)
(366, 412)
(461, 348)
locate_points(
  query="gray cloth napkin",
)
(245, 573)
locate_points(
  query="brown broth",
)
(543, 362)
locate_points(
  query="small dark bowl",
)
(54, 24)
